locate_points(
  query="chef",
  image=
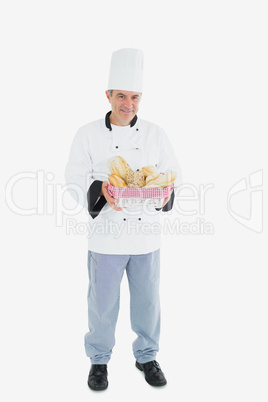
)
(121, 239)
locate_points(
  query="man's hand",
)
(166, 200)
(111, 200)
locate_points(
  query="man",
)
(121, 239)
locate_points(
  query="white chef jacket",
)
(133, 230)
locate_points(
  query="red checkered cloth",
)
(127, 192)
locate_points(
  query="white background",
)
(206, 84)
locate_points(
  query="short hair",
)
(110, 91)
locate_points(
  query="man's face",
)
(125, 105)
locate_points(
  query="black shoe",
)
(153, 373)
(97, 378)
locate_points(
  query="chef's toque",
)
(126, 70)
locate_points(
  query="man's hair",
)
(110, 91)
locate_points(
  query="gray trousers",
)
(105, 275)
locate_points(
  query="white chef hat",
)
(126, 70)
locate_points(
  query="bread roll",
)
(151, 177)
(163, 180)
(135, 178)
(117, 181)
(123, 176)
(118, 166)
(150, 170)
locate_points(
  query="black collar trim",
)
(108, 124)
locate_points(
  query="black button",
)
(138, 170)
(116, 146)
(139, 219)
(137, 129)
(124, 219)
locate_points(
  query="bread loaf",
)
(118, 166)
(150, 173)
(163, 180)
(123, 176)
(117, 181)
(135, 178)
(150, 170)
(151, 177)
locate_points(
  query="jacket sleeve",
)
(81, 182)
(168, 162)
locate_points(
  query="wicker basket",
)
(132, 197)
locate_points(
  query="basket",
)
(132, 197)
